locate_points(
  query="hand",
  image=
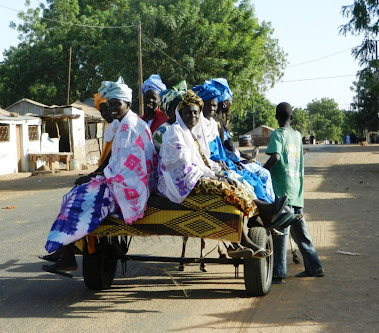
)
(232, 182)
(223, 165)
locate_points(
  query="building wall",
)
(29, 146)
(8, 150)
(77, 135)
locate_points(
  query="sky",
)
(307, 30)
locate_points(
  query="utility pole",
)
(140, 75)
(69, 77)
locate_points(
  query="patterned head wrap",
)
(116, 89)
(207, 91)
(222, 85)
(176, 92)
(97, 100)
(154, 82)
(190, 98)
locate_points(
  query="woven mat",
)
(203, 216)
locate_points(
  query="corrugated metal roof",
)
(28, 101)
(88, 110)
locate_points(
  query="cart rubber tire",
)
(258, 272)
(99, 268)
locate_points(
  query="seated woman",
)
(262, 185)
(185, 168)
(170, 100)
(122, 185)
(151, 89)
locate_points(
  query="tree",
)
(301, 121)
(364, 18)
(366, 101)
(326, 119)
(261, 112)
(189, 39)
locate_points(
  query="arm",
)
(274, 158)
(98, 171)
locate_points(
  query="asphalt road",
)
(154, 297)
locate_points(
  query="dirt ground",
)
(342, 209)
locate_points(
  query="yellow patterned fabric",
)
(203, 216)
(236, 196)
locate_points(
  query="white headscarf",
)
(210, 128)
(116, 89)
(180, 164)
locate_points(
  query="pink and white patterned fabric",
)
(131, 171)
(123, 190)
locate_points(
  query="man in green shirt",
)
(286, 165)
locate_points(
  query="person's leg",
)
(280, 251)
(301, 236)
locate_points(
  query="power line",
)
(144, 36)
(314, 60)
(317, 78)
(106, 27)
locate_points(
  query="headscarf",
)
(176, 92)
(97, 100)
(190, 98)
(181, 164)
(222, 85)
(207, 91)
(116, 89)
(154, 82)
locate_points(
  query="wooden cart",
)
(202, 216)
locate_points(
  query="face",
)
(118, 108)
(190, 115)
(151, 100)
(225, 106)
(105, 113)
(210, 108)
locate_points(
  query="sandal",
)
(61, 266)
(240, 252)
(262, 253)
(50, 257)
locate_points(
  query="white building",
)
(19, 136)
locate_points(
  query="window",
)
(33, 133)
(4, 133)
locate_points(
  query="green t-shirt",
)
(288, 173)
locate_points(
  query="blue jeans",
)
(300, 235)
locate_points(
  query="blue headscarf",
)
(207, 91)
(116, 89)
(154, 82)
(222, 85)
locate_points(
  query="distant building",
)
(19, 136)
(261, 135)
(77, 129)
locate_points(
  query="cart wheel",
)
(258, 272)
(100, 267)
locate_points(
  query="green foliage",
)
(363, 19)
(326, 119)
(366, 101)
(261, 112)
(212, 38)
(301, 121)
